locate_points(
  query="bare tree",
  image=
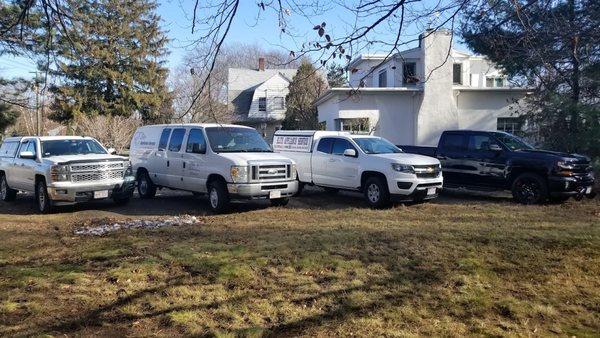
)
(212, 20)
(211, 104)
(111, 131)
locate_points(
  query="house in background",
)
(256, 97)
(414, 95)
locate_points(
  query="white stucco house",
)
(256, 97)
(412, 96)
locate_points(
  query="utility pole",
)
(38, 120)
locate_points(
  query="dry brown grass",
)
(469, 268)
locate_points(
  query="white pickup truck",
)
(225, 161)
(63, 170)
(372, 165)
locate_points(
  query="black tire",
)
(529, 188)
(7, 194)
(146, 188)
(300, 188)
(331, 191)
(42, 200)
(280, 202)
(218, 196)
(120, 201)
(592, 195)
(376, 192)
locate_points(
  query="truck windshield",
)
(236, 140)
(376, 145)
(71, 147)
(513, 142)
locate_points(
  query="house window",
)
(409, 73)
(262, 104)
(383, 78)
(495, 81)
(278, 102)
(511, 125)
(355, 125)
(457, 73)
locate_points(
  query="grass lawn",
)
(444, 268)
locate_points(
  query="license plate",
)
(430, 191)
(100, 194)
(275, 194)
(588, 190)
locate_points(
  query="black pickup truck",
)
(485, 160)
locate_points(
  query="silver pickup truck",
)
(63, 170)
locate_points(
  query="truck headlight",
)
(403, 168)
(128, 175)
(565, 165)
(59, 173)
(294, 172)
(239, 174)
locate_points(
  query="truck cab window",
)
(164, 139)
(325, 145)
(196, 143)
(340, 145)
(176, 139)
(453, 142)
(480, 142)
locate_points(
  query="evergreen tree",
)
(306, 86)
(112, 62)
(553, 47)
(336, 76)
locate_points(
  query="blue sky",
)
(248, 27)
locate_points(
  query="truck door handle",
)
(168, 163)
(332, 160)
(183, 165)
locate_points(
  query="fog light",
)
(62, 192)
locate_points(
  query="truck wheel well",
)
(366, 174)
(516, 172)
(139, 171)
(39, 178)
(214, 177)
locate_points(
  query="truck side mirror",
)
(495, 147)
(350, 152)
(27, 155)
(112, 151)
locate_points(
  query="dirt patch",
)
(99, 227)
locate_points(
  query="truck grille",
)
(271, 172)
(87, 172)
(100, 176)
(427, 171)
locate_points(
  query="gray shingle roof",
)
(242, 82)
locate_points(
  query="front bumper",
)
(411, 187)
(262, 190)
(65, 193)
(571, 185)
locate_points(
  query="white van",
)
(370, 164)
(225, 161)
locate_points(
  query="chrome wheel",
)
(214, 198)
(41, 197)
(373, 193)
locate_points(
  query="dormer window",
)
(383, 78)
(457, 73)
(409, 73)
